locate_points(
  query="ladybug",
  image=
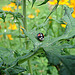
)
(40, 36)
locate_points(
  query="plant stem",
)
(18, 23)
(61, 11)
(24, 14)
(25, 26)
(57, 19)
(30, 55)
(17, 5)
(24, 22)
(30, 67)
(62, 15)
(19, 34)
(56, 14)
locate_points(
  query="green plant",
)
(53, 48)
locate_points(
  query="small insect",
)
(40, 36)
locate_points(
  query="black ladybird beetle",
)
(40, 36)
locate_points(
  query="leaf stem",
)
(25, 27)
(29, 56)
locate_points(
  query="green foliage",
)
(6, 67)
(55, 7)
(3, 16)
(53, 51)
(16, 15)
(33, 2)
(70, 29)
(54, 47)
(43, 2)
(68, 65)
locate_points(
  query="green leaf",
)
(32, 38)
(67, 66)
(28, 56)
(3, 16)
(43, 17)
(20, 36)
(6, 55)
(33, 1)
(53, 50)
(70, 28)
(55, 7)
(66, 63)
(15, 70)
(43, 2)
(20, 21)
(15, 14)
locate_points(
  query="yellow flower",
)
(1, 36)
(21, 29)
(16, 7)
(12, 27)
(50, 17)
(62, 2)
(19, 7)
(72, 3)
(9, 36)
(73, 14)
(53, 2)
(12, 4)
(37, 12)
(7, 8)
(63, 25)
(31, 16)
(0, 18)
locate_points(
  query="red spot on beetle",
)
(39, 34)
